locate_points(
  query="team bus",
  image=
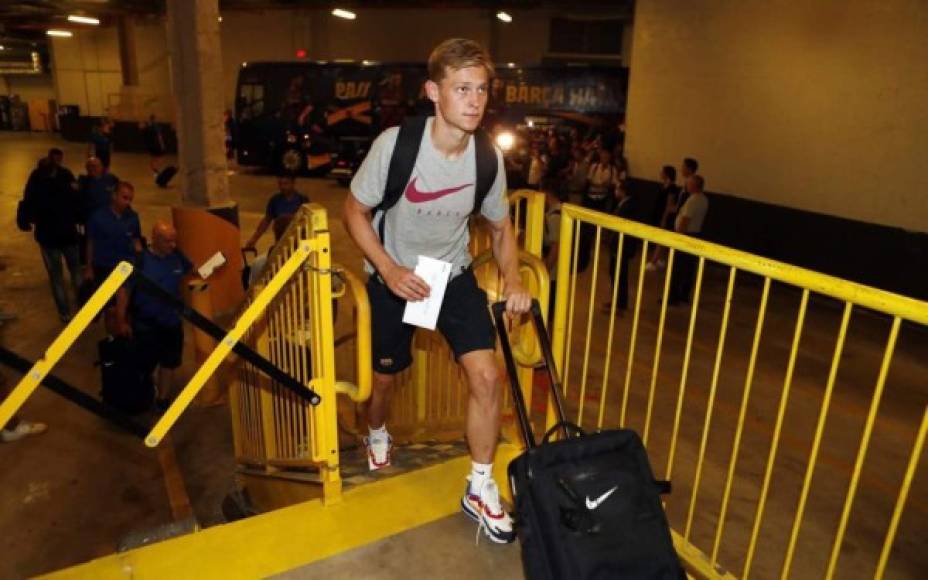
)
(320, 117)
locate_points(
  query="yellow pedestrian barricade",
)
(705, 412)
(787, 407)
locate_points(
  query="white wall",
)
(821, 106)
(87, 69)
(28, 87)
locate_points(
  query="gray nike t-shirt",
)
(430, 218)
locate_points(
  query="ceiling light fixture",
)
(346, 14)
(504, 16)
(59, 33)
(2, 47)
(83, 19)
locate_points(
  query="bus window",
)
(251, 100)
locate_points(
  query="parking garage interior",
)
(809, 125)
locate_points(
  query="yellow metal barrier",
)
(733, 446)
(57, 349)
(275, 433)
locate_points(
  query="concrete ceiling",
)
(23, 22)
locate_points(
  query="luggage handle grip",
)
(499, 309)
(567, 426)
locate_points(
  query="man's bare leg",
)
(482, 405)
(481, 499)
(379, 403)
(378, 442)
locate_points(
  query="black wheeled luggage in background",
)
(587, 506)
(165, 176)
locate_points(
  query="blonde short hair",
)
(458, 53)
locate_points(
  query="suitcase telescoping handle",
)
(499, 309)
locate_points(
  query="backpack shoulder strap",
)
(402, 163)
(487, 167)
(403, 160)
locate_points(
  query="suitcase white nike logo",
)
(592, 504)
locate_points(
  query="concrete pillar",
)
(196, 74)
(128, 63)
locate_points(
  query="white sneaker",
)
(24, 429)
(483, 506)
(379, 449)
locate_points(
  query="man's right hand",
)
(404, 283)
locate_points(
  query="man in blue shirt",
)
(96, 188)
(114, 234)
(156, 325)
(285, 202)
(101, 142)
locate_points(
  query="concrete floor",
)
(83, 486)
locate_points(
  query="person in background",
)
(536, 168)
(101, 142)
(260, 262)
(577, 175)
(660, 215)
(688, 167)
(154, 142)
(114, 234)
(285, 202)
(689, 222)
(603, 179)
(51, 205)
(228, 123)
(557, 165)
(626, 206)
(95, 188)
(156, 326)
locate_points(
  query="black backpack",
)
(403, 161)
(126, 385)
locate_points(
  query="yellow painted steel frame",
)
(293, 327)
(360, 391)
(57, 349)
(706, 563)
(222, 350)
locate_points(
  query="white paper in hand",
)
(209, 266)
(424, 313)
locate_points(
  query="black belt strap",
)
(78, 397)
(149, 286)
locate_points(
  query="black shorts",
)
(464, 321)
(159, 345)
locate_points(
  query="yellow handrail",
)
(361, 391)
(695, 396)
(57, 349)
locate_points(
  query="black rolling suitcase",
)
(165, 176)
(587, 506)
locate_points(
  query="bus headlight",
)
(505, 140)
